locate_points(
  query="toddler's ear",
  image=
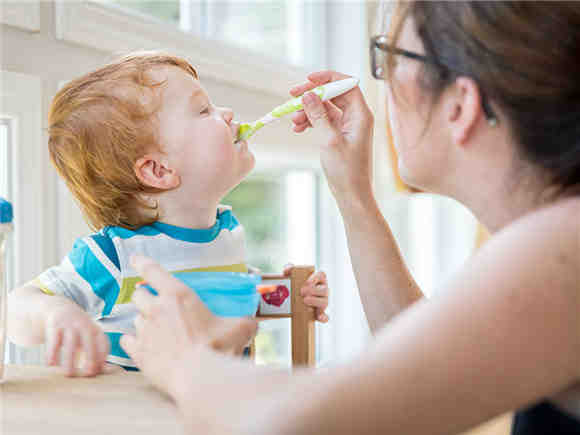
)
(153, 170)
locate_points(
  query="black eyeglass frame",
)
(379, 42)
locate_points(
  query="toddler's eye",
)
(204, 111)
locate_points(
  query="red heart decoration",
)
(277, 297)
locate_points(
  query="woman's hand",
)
(347, 124)
(173, 326)
(315, 292)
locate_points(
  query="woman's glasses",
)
(379, 50)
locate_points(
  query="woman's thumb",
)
(316, 112)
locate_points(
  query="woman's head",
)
(520, 58)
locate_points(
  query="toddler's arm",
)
(35, 318)
(29, 308)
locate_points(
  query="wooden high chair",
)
(286, 303)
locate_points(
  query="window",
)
(440, 238)
(279, 29)
(5, 145)
(279, 214)
(6, 141)
(168, 10)
(6, 187)
(258, 26)
(258, 203)
(5, 192)
(22, 184)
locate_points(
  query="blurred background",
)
(248, 55)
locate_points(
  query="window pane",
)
(4, 144)
(259, 205)
(273, 343)
(7, 262)
(258, 26)
(278, 213)
(6, 138)
(166, 10)
(283, 30)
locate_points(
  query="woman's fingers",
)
(319, 116)
(322, 77)
(301, 128)
(130, 344)
(139, 323)
(144, 301)
(299, 117)
(298, 90)
(158, 278)
(316, 79)
(334, 113)
(166, 285)
(236, 336)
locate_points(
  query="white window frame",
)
(21, 97)
(21, 103)
(103, 26)
(23, 15)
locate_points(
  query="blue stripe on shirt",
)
(88, 266)
(116, 349)
(224, 221)
(108, 247)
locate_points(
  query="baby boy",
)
(148, 157)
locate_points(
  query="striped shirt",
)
(97, 275)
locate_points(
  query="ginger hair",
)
(99, 125)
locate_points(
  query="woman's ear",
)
(154, 170)
(464, 110)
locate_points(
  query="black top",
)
(545, 419)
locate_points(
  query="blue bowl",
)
(226, 294)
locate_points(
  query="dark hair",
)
(525, 58)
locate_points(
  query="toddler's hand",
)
(315, 292)
(71, 332)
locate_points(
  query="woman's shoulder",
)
(565, 211)
(526, 278)
(546, 241)
(559, 219)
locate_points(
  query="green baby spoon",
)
(325, 92)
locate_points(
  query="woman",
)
(484, 101)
